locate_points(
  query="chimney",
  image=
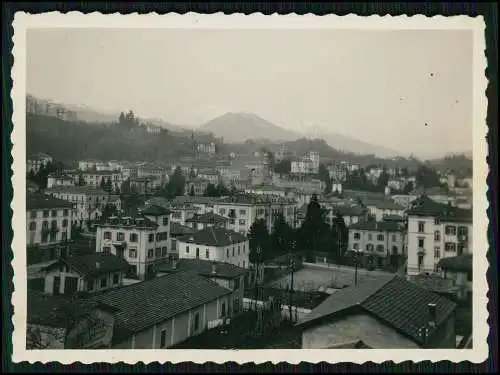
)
(432, 314)
(214, 270)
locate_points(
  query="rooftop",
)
(250, 199)
(396, 302)
(458, 263)
(203, 267)
(41, 201)
(86, 189)
(378, 226)
(154, 210)
(144, 304)
(208, 218)
(92, 264)
(384, 204)
(214, 236)
(178, 229)
(424, 206)
(128, 221)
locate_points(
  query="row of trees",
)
(40, 178)
(314, 235)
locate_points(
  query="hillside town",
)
(270, 249)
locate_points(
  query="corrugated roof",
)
(398, 303)
(144, 304)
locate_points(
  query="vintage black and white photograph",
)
(251, 184)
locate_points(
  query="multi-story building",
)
(153, 129)
(283, 153)
(243, 209)
(436, 231)
(210, 175)
(36, 161)
(308, 164)
(351, 213)
(206, 148)
(88, 165)
(94, 178)
(380, 239)
(196, 185)
(144, 185)
(205, 220)
(54, 180)
(215, 244)
(380, 208)
(142, 241)
(48, 229)
(88, 202)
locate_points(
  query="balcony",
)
(119, 243)
(463, 237)
(421, 251)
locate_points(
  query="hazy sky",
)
(378, 86)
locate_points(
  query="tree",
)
(108, 186)
(211, 191)
(109, 210)
(280, 235)
(405, 173)
(341, 235)
(383, 179)
(324, 176)
(258, 238)
(313, 228)
(222, 190)
(102, 185)
(176, 184)
(283, 167)
(192, 173)
(191, 192)
(427, 177)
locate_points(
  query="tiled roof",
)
(41, 201)
(203, 267)
(348, 210)
(393, 218)
(214, 236)
(195, 199)
(178, 229)
(458, 263)
(93, 264)
(384, 205)
(144, 304)
(424, 206)
(208, 218)
(58, 311)
(127, 221)
(90, 190)
(379, 226)
(254, 199)
(154, 210)
(396, 302)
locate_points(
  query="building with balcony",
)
(54, 180)
(436, 231)
(48, 229)
(142, 240)
(215, 244)
(36, 161)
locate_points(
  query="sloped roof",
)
(176, 228)
(93, 264)
(208, 218)
(204, 267)
(396, 302)
(155, 210)
(458, 263)
(424, 206)
(144, 304)
(380, 226)
(41, 201)
(214, 236)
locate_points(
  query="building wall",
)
(355, 327)
(82, 285)
(36, 218)
(187, 250)
(391, 241)
(434, 247)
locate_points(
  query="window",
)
(469, 276)
(151, 237)
(163, 251)
(243, 212)
(222, 211)
(207, 254)
(150, 253)
(243, 264)
(421, 226)
(106, 250)
(165, 221)
(380, 237)
(231, 221)
(65, 223)
(227, 253)
(120, 236)
(437, 252)
(90, 284)
(370, 237)
(421, 242)
(64, 236)
(53, 237)
(437, 221)
(163, 339)
(132, 253)
(236, 284)
(394, 249)
(238, 249)
(242, 222)
(450, 230)
(53, 224)
(223, 310)
(46, 213)
(33, 214)
(116, 279)
(437, 236)
(369, 247)
(233, 251)
(449, 246)
(420, 261)
(357, 236)
(45, 225)
(107, 235)
(380, 248)
(65, 212)
(33, 225)
(104, 282)
(187, 249)
(462, 231)
(158, 236)
(54, 213)
(394, 238)
(436, 268)
(158, 252)
(133, 237)
(196, 321)
(355, 246)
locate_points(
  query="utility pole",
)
(257, 276)
(292, 267)
(356, 255)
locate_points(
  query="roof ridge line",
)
(391, 278)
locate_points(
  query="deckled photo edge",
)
(481, 329)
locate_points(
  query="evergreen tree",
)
(211, 191)
(324, 176)
(109, 185)
(341, 235)
(222, 190)
(313, 228)
(177, 183)
(102, 185)
(191, 192)
(258, 238)
(383, 179)
(281, 235)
